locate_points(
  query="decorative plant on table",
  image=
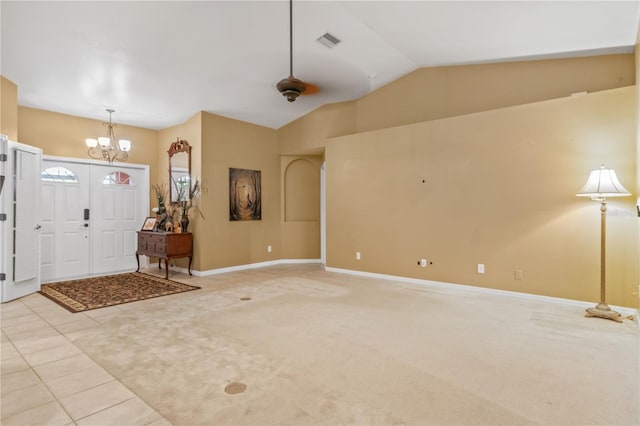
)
(161, 210)
(186, 194)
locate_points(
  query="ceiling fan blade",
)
(310, 89)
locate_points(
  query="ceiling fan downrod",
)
(291, 87)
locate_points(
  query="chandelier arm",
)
(94, 153)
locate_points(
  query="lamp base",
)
(602, 310)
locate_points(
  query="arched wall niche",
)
(301, 191)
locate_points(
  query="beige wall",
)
(307, 134)
(64, 135)
(499, 189)
(217, 144)
(228, 143)
(477, 166)
(432, 93)
(8, 109)
(191, 131)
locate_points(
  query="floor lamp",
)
(601, 184)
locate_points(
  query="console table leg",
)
(190, 259)
(138, 261)
(166, 268)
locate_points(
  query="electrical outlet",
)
(423, 263)
(518, 274)
(357, 255)
(481, 268)
(269, 249)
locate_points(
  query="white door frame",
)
(323, 215)
(144, 167)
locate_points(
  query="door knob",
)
(86, 225)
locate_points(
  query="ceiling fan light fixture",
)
(291, 88)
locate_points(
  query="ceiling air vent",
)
(328, 40)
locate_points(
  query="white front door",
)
(117, 213)
(90, 216)
(65, 232)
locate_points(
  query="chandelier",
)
(106, 148)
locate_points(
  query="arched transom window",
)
(117, 178)
(58, 174)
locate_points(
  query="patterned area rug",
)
(93, 293)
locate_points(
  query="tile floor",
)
(47, 380)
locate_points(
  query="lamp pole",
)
(602, 310)
(603, 251)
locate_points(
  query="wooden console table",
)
(165, 245)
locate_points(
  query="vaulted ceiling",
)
(159, 62)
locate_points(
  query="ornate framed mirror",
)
(179, 171)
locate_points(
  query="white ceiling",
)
(158, 62)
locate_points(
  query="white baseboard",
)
(451, 286)
(246, 266)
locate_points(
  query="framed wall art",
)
(245, 194)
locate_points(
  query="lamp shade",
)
(603, 183)
(125, 145)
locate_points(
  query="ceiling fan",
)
(292, 87)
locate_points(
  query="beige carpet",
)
(317, 348)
